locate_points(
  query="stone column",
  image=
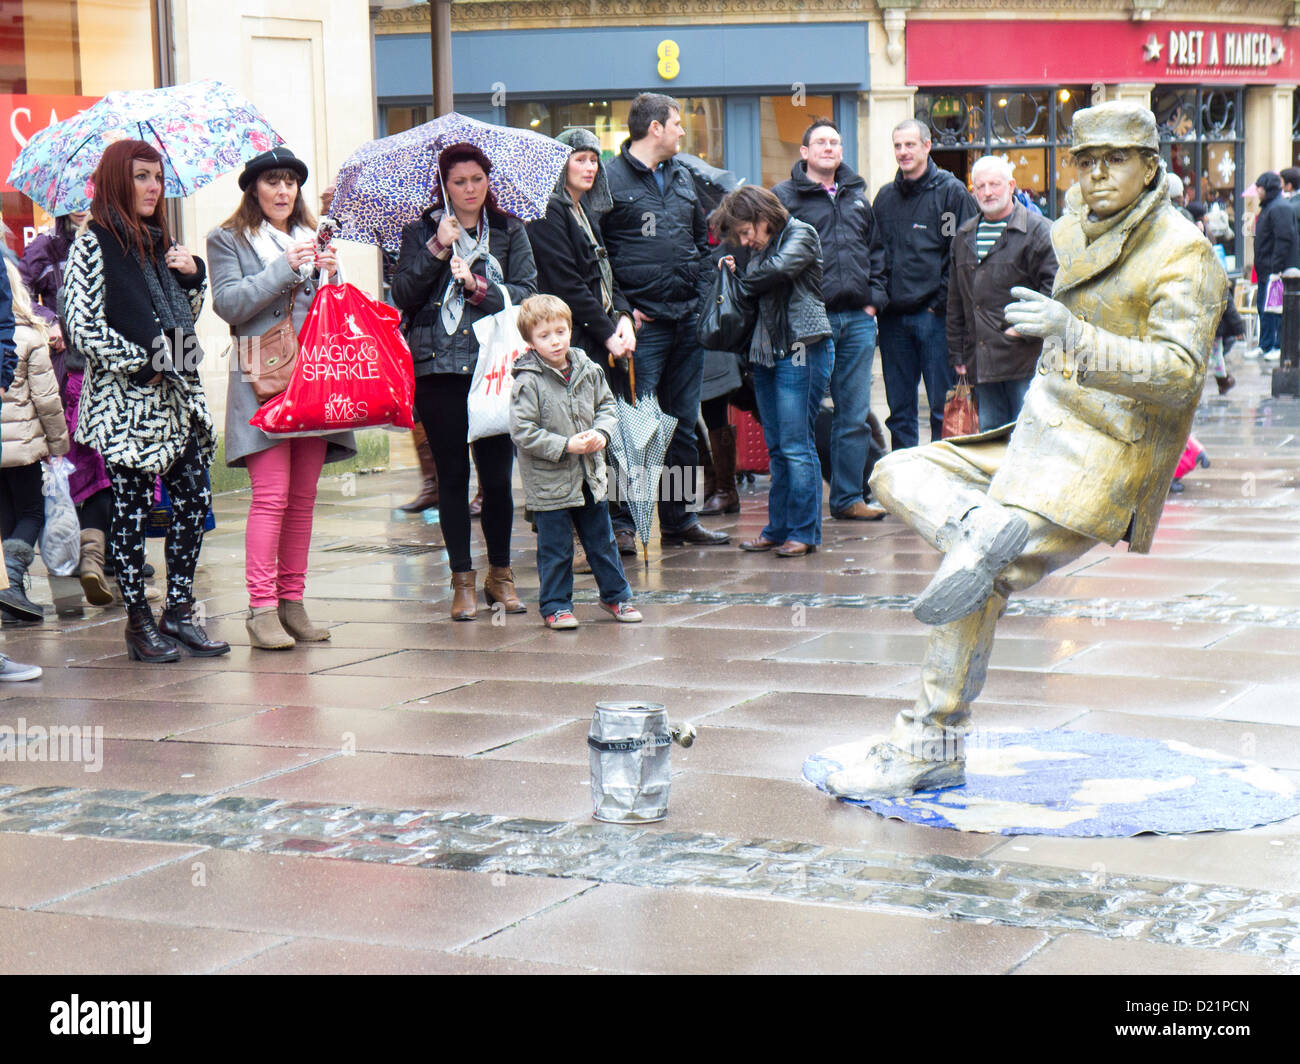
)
(1268, 130)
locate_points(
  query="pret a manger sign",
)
(1214, 50)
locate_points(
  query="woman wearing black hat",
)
(264, 267)
(455, 259)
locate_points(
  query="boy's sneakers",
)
(562, 619)
(622, 611)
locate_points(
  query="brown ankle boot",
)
(500, 587)
(724, 499)
(428, 494)
(464, 596)
(93, 582)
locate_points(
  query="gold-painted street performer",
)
(1126, 335)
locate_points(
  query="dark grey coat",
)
(251, 298)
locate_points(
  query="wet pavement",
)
(413, 796)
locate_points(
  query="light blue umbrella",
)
(202, 130)
(386, 184)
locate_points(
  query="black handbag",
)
(727, 318)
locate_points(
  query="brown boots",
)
(722, 497)
(428, 494)
(93, 582)
(464, 596)
(500, 587)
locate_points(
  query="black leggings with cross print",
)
(187, 484)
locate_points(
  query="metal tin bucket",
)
(630, 774)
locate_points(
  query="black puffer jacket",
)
(854, 274)
(917, 221)
(1277, 241)
(420, 280)
(658, 241)
(785, 279)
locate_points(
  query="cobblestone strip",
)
(1207, 608)
(1003, 892)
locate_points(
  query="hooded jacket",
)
(34, 426)
(567, 264)
(1277, 240)
(918, 220)
(854, 274)
(545, 411)
(658, 241)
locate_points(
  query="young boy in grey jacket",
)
(561, 419)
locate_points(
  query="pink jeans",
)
(278, 533)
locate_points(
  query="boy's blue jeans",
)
(555, 554)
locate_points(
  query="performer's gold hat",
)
(1117, 124)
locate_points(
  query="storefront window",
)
(56, 58)
(702, 117)
(1201, 141)
(782, 122)
(1030, 127)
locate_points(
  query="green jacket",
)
(544, 413)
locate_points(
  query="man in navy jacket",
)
(832, 198)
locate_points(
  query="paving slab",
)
(40, 869)
(312, 897)
(639, 930)
(1076, 954)
(43, 943)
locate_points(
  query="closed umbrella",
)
(386, 184)
(639, 446)
(202, 130)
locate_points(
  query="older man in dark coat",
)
(1001, 247)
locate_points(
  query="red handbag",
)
(961, 415)
(353, 369)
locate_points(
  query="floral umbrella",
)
(202, 130)
(387, 183)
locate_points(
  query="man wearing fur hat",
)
(1126, 336)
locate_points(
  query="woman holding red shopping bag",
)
(265, 270)
(455, 261)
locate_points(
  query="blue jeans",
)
(914, 347)
(853, 350)
(789, 396)
(1000, 401)
(1270, 325)
(669, 364)
(555, 554)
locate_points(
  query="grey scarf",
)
(169, 300)
(453, 298)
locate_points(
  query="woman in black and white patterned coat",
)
(130, 298)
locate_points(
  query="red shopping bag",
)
(353, 369)
(960, 413)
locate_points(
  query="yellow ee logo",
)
(669, 67)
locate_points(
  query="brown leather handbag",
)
(272, 356)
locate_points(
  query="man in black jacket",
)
(657, 240)
(832, 198)
(1277, 247)
(919, 213)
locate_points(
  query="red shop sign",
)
(22, 117)
(994, 52)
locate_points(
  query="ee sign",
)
(668, 52)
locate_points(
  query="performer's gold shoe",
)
(991, 538)
(890, 772)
